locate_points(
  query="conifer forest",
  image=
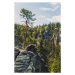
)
(46, 38)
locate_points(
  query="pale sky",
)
(44, 12)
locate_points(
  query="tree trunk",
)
(25, 35)
(24, 38)
(26, 27)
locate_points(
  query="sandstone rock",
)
(16, 53)
(28, 61)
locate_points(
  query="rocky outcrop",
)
(16, 53)
(58, 35)
(28, 61)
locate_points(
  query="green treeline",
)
(46, 38)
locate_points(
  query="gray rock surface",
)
(28, 61)
(16, 53)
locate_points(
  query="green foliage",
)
(27, 15)
(55, 61)
(49, 52)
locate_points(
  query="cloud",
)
(49, 9)
(44, 9)
(46, 20)
(54, 3)
(41, 16)
(54, 19)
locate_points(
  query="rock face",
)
(28, 61)
(16, 53)
(58, 35)
(46, 34)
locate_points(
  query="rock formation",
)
(28, 61)
(16, 53)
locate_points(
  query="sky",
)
(45, 12)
